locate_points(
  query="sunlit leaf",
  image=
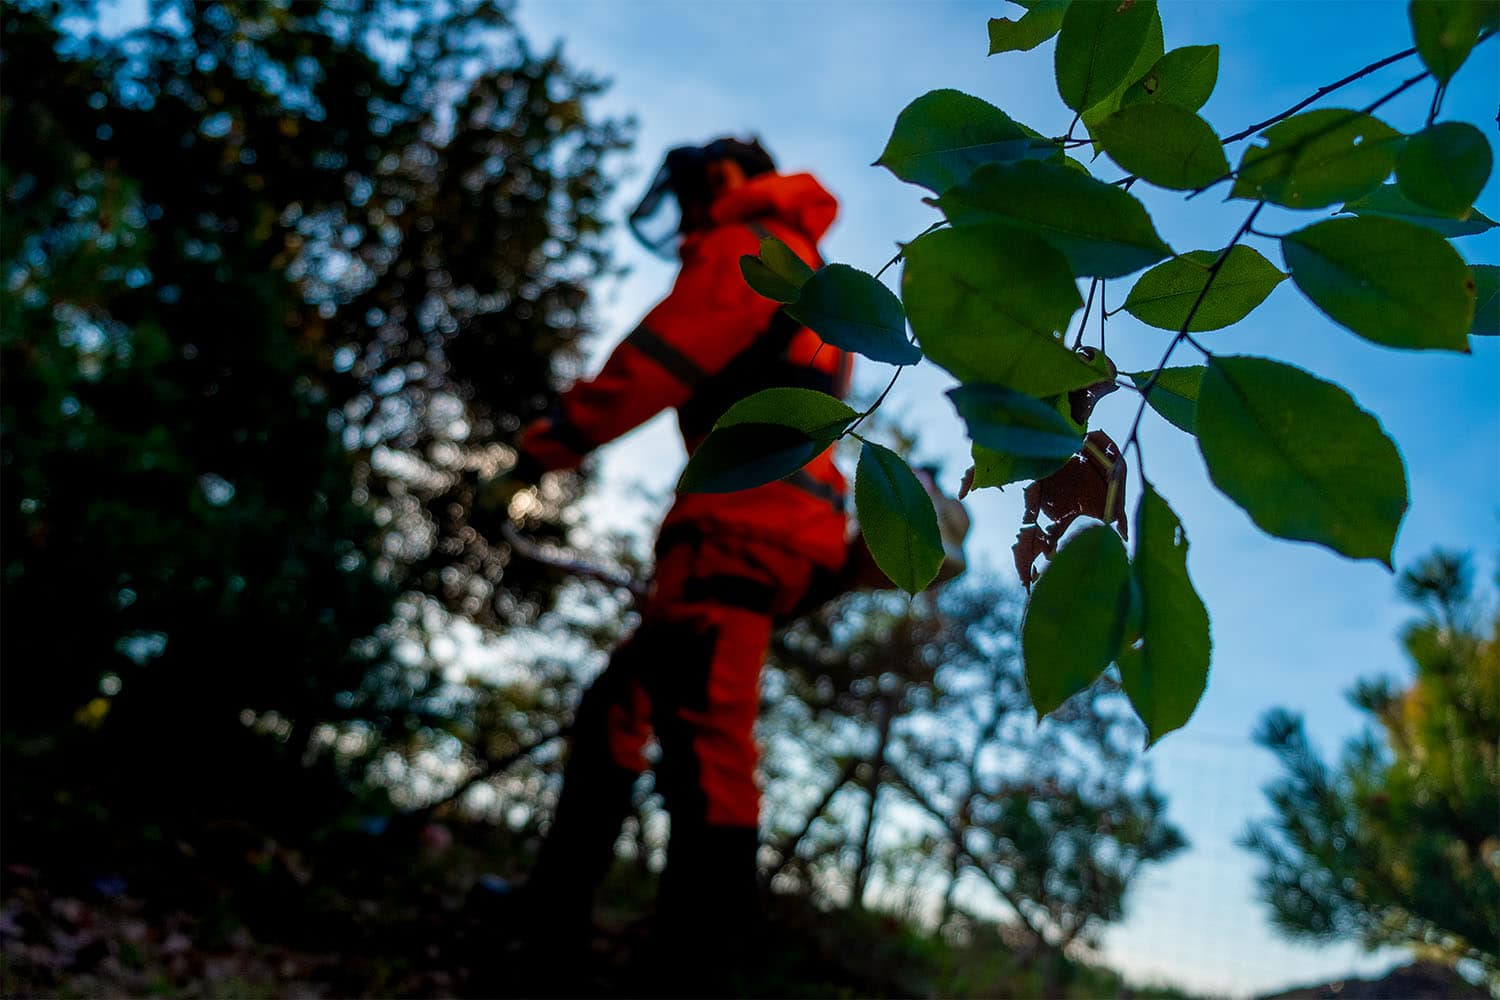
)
(1445, 31)
(1444, 167)
(852, 311)
(1184, 77)
(766, 282)
(1164, 144)
(897, 519)
(1040, 22)
(1153, 50)
(1164, 295)
(1096, 48)
(1318, 158)
(1014, 423)
(1165, 672)
(1175, 394)
(778, 273)
(994, 468)
(942, 136)
(1101, 230)
(1076, 618)
(1388, 281)
(784, 261)
(816, 414)
(988, 303)
(1300, 456)
(1387, 200)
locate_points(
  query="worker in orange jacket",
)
(728, 566)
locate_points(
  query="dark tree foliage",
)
(1396, 843)
(905, 755)
(278, 279)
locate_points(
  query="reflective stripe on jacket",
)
(711, 342)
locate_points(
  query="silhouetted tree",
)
(1396, 843)
(905, 752)
(280, 279)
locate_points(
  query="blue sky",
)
(1294, 625)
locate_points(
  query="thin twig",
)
(1321, 93)
(1087, 309)
(876, 405)
(1213, 272)
(1103, 315)
(1331, 126)
(1438, 94)
(902, 252)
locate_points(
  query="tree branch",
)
(1321, 93)
(1182, 334)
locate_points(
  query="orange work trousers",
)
(690, 674)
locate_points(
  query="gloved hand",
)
(494, 494)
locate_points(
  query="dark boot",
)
(710, 920)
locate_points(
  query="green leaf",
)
(1164, 295)
(1444, 167)
(942, 136)
(897, 519)
(1101, 230)
(1300, 456)
(778, 273)
(763, 438)
(988, 304)
(1445, 31)
(1014, 423)
(1165, 675)
(743, 456)
(1317, 158)
(1184, 77)
(1040, 22)
(1486, 300)
(1168, 146)
(993, 468)
(1388, 281)
(1076, 618)
(1097, 47)
(766, 282)
(1175, 394)
(1153, 50)
(1388, 201)
(814, 413)
(852, 311)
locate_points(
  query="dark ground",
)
(244, 916)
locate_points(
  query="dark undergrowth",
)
(236, 914)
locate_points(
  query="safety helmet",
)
(658, 220)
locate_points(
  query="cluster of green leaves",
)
(990, 293)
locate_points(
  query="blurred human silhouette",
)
(729, 567)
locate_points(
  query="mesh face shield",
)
(683, 179)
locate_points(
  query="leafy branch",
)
(991, 292)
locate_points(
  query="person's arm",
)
(709, 317)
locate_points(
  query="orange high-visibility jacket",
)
(711, 342)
